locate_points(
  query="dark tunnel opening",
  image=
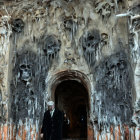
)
(72, 98)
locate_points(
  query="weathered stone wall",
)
(39, 39)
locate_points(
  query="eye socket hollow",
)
(23, 66)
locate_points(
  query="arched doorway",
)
(72, 98)
(73, 77)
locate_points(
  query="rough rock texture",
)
(113, 100)
(101, 39)
(90, 44)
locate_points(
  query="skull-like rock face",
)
(70, 25)
(52, 45)
(117, 63)
(91, 41)
(90, 44)
(136, 23)
(17, 25)
(121, 64)
(104, 8)
(25, 72)
(135, 10)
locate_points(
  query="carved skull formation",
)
(115, 64)
(90, 41)
(52, 45)
(118, 64)
(136, 23)
(17, 25)
(25, 72)
(104, 8)
(69, 25)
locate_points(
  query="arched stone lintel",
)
(68, 75)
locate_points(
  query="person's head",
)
(50, 105)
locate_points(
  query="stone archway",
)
(79, 79)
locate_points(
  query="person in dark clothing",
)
(66, 125)
(52, 123)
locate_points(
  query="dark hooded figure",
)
(52, 123)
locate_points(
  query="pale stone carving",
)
(52, 45)
(104, 8)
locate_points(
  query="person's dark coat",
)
(52, 126)
(65, 127)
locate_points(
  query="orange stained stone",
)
(126, 128)
(90, 133)
(5, 130)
